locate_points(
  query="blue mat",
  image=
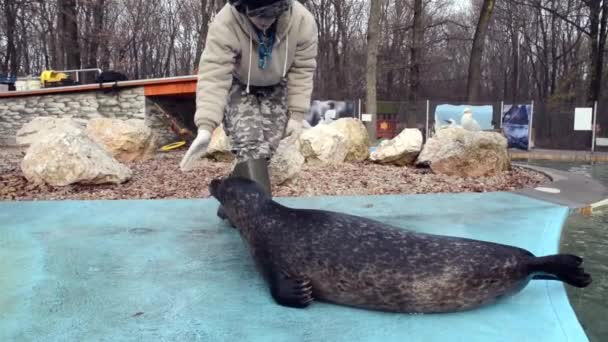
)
(169, 270)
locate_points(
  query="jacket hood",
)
(284, 23)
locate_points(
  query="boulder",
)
(126, 140)
(356, 136)
(43, 125)
(323, 144)
(219, 147)
(63, 158)
(459, 152)
(401, 150)
(287, 161)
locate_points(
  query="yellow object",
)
(173, 146)
(49, 76)
(384, 126)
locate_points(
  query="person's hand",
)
(196, 151)
(296, 124)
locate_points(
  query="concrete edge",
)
(595, 193)
(554, 155)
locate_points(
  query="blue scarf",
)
(265, 49)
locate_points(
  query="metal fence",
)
(550, 125)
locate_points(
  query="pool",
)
(588, 237)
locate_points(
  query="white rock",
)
(323, 144)
(63, 158)
(356, 136)
(287, 161)
(125, 140)
(401, 150)
(43, 125)
(464, 153)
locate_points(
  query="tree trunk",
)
(598, 21)
(202, 32)
(372, 62)
(68, 30)
(10, 64)
(417, 39)
(59, 44)
(474, 78)
(96, 36)
(515, 71)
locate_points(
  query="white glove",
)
(293, 128)
(296, 124)
(196, 151)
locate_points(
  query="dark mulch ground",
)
(161, 178)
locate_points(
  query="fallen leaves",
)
(161, 178)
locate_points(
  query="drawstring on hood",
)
(250, 56)
(286, 53)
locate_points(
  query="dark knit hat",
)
(261, 7)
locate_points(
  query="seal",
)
(307, 254)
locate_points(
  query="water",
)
(588, 237)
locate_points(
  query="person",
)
(255, 77)
(330, 114)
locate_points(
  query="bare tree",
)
(11, 57)
(550, 50)
(417, 41)
(68, 28)
(373, 41)
(474, 80)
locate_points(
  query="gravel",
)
(161, 177)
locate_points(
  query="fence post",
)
(502, 111)
(427, 120)
(530, 124)
(593, 127)
(359, 109)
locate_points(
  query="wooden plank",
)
(95, 86)
(184, 87)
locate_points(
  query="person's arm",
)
(215, 75)
(301, 73)
(214, 81)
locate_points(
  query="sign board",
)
(516, 125)
(447, 115)
(583, 117)
(601, 141)
(366, 117)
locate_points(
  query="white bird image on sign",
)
(468, 122)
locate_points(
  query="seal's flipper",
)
(295, 292)
(564, 267)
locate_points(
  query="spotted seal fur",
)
(344, 259)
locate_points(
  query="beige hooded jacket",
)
(231, 49)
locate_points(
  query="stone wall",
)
(127, 103)
(156, 119)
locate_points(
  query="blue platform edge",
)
(170, 270)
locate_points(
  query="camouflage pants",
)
(255, 123)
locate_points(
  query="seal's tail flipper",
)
(563, 267)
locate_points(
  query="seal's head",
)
(238, 194)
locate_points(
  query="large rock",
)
(63, 158)
(287, 161)
(401, 150)
(459, 152)
(41, 126)
(219, 147)
(323, 144)
(356, 136)
(126, 140)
